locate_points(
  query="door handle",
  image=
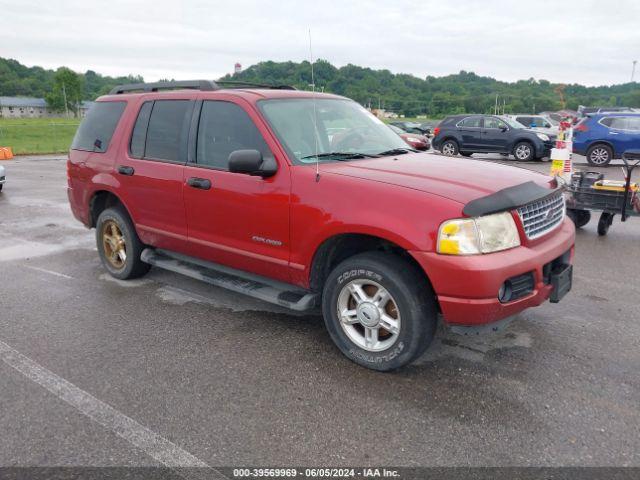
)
(201, 183)
(124, 170)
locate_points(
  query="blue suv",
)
(604, 136)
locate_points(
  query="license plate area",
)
(561, 279)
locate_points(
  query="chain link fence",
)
(37, 136)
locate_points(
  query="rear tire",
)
(118, 245)
(523, 152)
(450, 148)
(379, 310)
(599, 155)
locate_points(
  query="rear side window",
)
(168, 131)
(97, 128)
(634, 124)
(605, 121)
(139, 136)
(225, 127)
(471, 122)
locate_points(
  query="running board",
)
(272, 291)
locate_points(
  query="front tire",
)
(599, 155)
(379, 310)
(119, 246)
(450, 148)
(523, 152)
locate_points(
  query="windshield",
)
(554, 123)
(343, 127)
(512, 123)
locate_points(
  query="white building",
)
(28, 107)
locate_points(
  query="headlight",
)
(543, 137)
(471, 236)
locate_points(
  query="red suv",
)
(307, 200)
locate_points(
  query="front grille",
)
(542, 216)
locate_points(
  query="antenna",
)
(315, 117)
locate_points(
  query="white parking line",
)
(50, 272)
(157, 447)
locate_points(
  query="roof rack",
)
(203, 85)
(240, 84)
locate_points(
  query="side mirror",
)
(250, 162)
(503, 128)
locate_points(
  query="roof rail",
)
(240, 84)
(205, 85)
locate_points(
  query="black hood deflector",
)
(507, 199)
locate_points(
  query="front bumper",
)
(467, 286)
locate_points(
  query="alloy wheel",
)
(599, 156)
(448, 149)
(523, 152)
(369, 315)
(114, 245)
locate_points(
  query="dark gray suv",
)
(469, 134)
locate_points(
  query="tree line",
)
(56, 86)
(464, 92)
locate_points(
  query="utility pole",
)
(495, 108)
(64, 94)
(633, 69)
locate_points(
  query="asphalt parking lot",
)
(225, 380)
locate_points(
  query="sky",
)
(588, 42)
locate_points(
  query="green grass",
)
(37, 135)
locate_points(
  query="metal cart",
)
(590, 192)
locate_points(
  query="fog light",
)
(516, 287)
(504, 294)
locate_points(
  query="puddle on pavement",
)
(26, 249)
(474, 347)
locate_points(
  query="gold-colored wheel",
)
(114, 245)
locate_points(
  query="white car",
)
(540, 123)
(2, 176)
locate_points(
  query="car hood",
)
(461, 180)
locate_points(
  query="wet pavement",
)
(230, 381)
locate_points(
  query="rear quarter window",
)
(96, 130)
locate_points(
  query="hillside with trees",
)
(17, 80)
(464, 92)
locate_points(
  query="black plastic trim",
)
(203, 85)
(507, 199)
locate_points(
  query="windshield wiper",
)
(342, 155)
(397, 151)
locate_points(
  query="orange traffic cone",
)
(6, 153)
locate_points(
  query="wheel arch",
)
(337, 248)
(606, 143)
(101, 200)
